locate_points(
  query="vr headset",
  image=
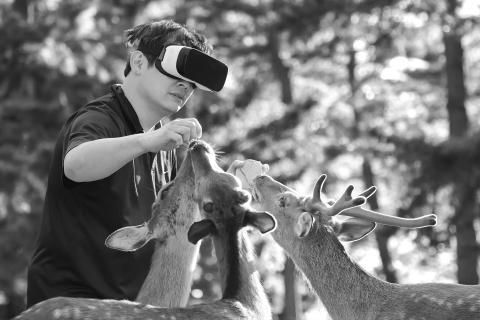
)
(192, 65)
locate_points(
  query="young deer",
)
(346, 290)
(226, 211)
(169, 280)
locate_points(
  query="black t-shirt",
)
(70, 257)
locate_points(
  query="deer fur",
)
(345, 289)
(233, 249)
(169, 280)
(226, 213)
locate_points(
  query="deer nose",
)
(200, 146)
(261, 179)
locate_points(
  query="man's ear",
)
(303, 225)
(129, 238)
(353, 229)
(201, 229)
(137, 61)
(261, 220)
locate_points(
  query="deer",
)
(226, 212)
(169, 279)
(310, 234)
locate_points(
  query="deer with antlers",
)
(310, 235)
(225, 208)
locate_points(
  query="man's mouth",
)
(178, 96)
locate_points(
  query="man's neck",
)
(147, 115)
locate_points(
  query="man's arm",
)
(97, 159)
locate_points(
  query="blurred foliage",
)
(314, 87)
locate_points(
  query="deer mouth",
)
(200, 145)
(255, 191)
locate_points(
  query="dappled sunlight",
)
(364, 93)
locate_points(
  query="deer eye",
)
(208, 207)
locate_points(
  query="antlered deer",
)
(310, 236)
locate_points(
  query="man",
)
(111, 158)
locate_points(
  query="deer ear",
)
(201, 229)
(303, 225)
(261, 220)
(129, 238)
(353, 229)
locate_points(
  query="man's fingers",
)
(188, 129)
(194, 126)
(183, 130)
(173, 141)
(193, 133)
(198, 128)
(178, 139)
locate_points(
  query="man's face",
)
(163, 91)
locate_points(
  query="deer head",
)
(296, 213)
(176, 196)
(222, 201)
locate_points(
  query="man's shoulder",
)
(100, 112)
(106, 105)
(108, 98)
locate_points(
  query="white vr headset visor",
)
(192, 65)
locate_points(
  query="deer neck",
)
(168, 282)
(240, 280)
(169, 279)
(344, 288)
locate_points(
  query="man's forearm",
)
(97, 159)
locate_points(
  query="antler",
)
(316, 205)
(348, 206)
(411, 223)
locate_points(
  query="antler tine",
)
(369, 192)
(317, 190)
(315, 205)
(345, 201)
(411, 223)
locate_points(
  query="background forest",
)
(377, 92)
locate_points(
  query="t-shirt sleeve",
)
(90, 124)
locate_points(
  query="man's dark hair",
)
(151, 38)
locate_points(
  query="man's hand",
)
(172, 135)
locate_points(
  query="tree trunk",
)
(467, 246)
(21, 6)
(457, 114)
(352, 81)
(381, 232)
(467, 253)
(292, 300)
(280, 70)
